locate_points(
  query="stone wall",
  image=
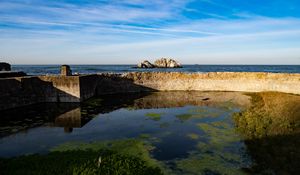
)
(217, 81)
(88, 84)
(21, 91)
(60, 88)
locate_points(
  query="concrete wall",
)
(217, 81)
(88, 85)
(13, 95)
(21, 91)
(60, 88)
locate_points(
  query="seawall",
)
(218, 81)
(22, 91)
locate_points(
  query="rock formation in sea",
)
(145, 64)
(160, 63)
(166, 63)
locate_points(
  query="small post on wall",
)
(65, 70)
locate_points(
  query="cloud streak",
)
(127, 31)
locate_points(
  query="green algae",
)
(220, 134)
(198, 113)
(207, 164)
(193, 136)
(132, 147)
(144, 136)
(184, 117)
(212, 155)
(270, 128)
(154, 116)
(128, 156)
(270, 114)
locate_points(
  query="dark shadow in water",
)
(271, 128)
(275, 154)
(66, 115)
(45, 114)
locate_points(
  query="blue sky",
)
(129, 31)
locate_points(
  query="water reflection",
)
(189, 132)
(49, 114)
(271, 130)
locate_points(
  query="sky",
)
(130, 31)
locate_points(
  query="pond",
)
(167, 132)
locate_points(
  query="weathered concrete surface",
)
(88, 85)
(65, 70)
(60, 88)
(217, 81)
(118, 83)
(21, 91)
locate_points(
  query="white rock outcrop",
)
(160, 63)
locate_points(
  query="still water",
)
(188, 132)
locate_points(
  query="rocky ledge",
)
(160, 63)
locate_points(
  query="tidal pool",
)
(159, 132)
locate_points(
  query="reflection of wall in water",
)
(48, 114)
(71, 119)
(197, 98)
(272, 133)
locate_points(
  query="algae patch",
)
(193, 136)
(184, 117)
(111, 157)
(154, 116)
(207, 164)
(270, 128)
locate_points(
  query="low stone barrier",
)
(214, 81)
(21, 91)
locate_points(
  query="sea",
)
(91, 69)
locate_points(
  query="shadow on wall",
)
(18, 92)
(115, 83)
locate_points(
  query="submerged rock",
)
(166, 63)
(145, 64)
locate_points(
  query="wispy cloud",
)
(129, 30)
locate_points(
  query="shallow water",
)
(190, 132)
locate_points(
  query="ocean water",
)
(90, 69)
